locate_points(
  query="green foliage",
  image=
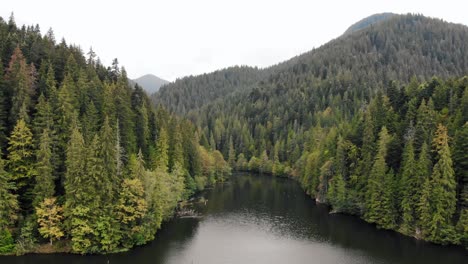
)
(337, 193)
(460, 160)
(76, 134)
(21, 85)
(314, 118)
(49, 218)
(162, 154)
(20, 162)
(8, 200)
(26, 241)
(7, 244)
(462, 228)
(441, 189)
(379, 203)
(131, 209)
(81, 230)
(318, 115)
(45, 186)
(409, 185)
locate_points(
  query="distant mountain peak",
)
(368, 21)
(150, 83)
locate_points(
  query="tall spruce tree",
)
(409, 188)
(20, 162)
(3, 109)
(8, 200)
(161, 160)
(45, 186)
(379, 202)
(460, 164)
(231, 154)
(8, 211)
(440, 194)
(20, 84)
(108, 154)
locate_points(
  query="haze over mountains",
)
(150, 83)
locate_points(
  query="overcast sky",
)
(175, 38)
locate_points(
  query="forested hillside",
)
(193, 92)
(87, 164)
(373, 123)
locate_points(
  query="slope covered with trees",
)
(373, 122)
(193, 92)
(87, 164)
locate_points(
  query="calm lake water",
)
(261, 219)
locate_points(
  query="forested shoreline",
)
(87, 164)
(409, 175)
(373, 123)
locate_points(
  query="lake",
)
(262, 219)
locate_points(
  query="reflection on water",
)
(260, 219)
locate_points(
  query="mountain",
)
(350, 120)
(150, 83)
(368, 21)
(193, 92)
(395, 49)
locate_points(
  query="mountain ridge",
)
(369, 21)
(369, 45)
(150, 82)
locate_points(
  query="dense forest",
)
(87, 164)
(373, 123)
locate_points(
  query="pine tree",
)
(81, 192)
(20, 83)
(460, 163)
(232, 154)
(423, 174)
(162, 147)
(367, 154)
(136, 166)
(442, 198)
(277, 169)
(43, 118)
(3, 109)
(176, 156)
(45, 186)
(379, 197)
(21, 162)
(50, 82)
(90, 121)
(462, 227)
(65, 115)
(75, 187)
(264, 163)
(142, 129)
(425, 123)
(409, 188)
(212, 142)
(337, 193)
(108, 154)
(241, 162)
(8, 200)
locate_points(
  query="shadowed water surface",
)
(261, 219)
